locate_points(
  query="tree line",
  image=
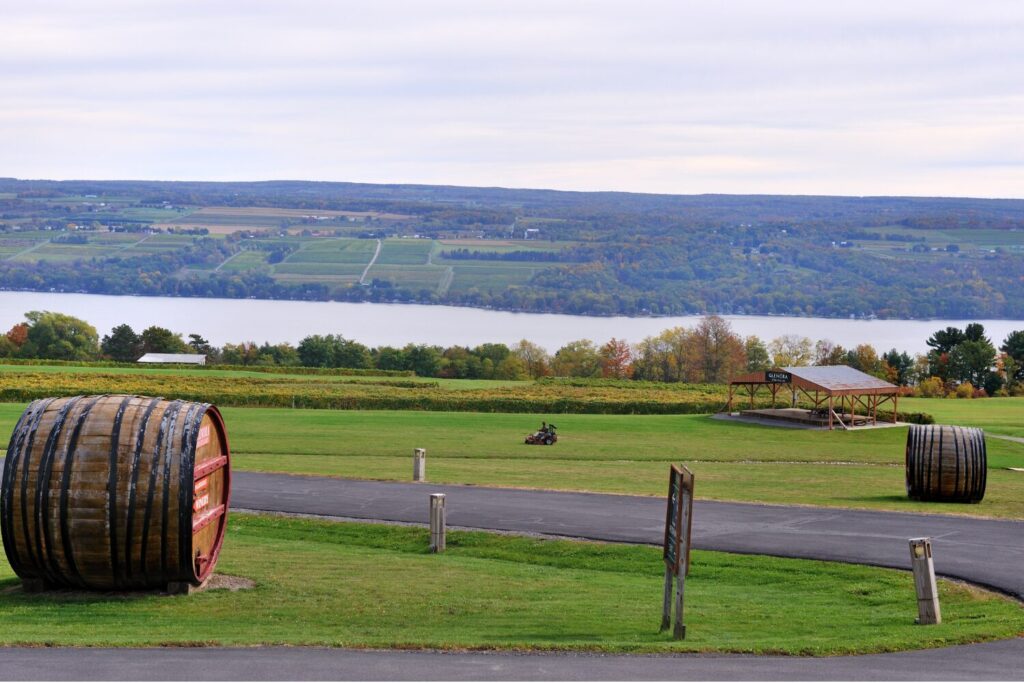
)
(961, 362)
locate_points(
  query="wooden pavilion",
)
(838, 393)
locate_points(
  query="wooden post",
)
(676, 551)
(666, 608)
(924, 581)
(831, 411)
(895, 408)
(438, 523)
(679, 629)
(419, 464)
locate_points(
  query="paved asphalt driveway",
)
(987, 552)
(982, 551)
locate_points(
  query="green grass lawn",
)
(358, 585)
(606, 453)
(996, 415)
(619, 453)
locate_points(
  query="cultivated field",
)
(228, 219)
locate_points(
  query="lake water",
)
(237, 320)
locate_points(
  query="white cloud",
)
(792, 97)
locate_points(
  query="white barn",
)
(183, 358)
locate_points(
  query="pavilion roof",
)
(836, 380)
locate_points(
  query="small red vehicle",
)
(545, 436)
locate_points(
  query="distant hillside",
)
(598, 253)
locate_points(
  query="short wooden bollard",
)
(438, 523)
(419, 464)
(924, 581)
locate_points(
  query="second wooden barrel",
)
(115, 492)
(946, 463)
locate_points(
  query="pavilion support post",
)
(831, 412)
(895, 408)
(728, 406)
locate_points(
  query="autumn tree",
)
(577, 359)
(535, 359)
(616, 359)
(791, 350)
(12, 342)
(18, 334)
(244, 353)
(717, 352)
(865, 359)
(827, 352)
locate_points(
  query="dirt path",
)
(362, 278)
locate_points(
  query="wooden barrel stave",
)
(946, 463)
(119, 483)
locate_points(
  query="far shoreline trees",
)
(963, 363)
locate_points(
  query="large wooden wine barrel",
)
(946, 463)
(115, 492)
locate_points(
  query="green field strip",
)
(334, 251)
(347, 585)
(405, 252)
(410, 277)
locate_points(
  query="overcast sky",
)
(819, 97)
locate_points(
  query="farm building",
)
(839, 395)
(180, 358)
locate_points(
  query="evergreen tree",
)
(122, 344)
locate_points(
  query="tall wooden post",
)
(895, 408)
(924, 581)
(419, 464)
(666, 607)
(438, 523)
(676, 553)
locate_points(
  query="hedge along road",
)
(986, 552)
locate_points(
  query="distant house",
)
(183, 358)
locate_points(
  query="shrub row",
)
(269, 369)
(382, 395)
(912, 418)
(290, 392)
